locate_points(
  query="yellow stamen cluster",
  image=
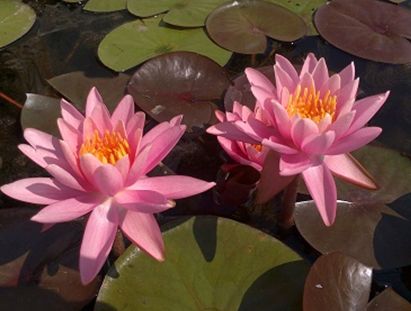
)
(108, 149)
(309, 104)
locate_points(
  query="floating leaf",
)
(365, 227)
(212, 264)
(105, 5)
(133, 43)
(39, 270)
(388, 300)
(368, 29)
(179, 83)
(191, 13)
(16, 19)
(337, 282)
(242, 26)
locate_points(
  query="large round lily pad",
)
(366, 227)
(16, 19)
(133, 43)
(179, 83)
(368, 29)
(184, 13)
(211, 264)
(242, 26)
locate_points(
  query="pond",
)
(270, 195)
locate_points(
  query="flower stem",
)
(119, 247)
(286, 217)
(10, 100)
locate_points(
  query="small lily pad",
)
(133, 43)
(242, 26)
(184, 13)
(105, 5)
(179, 83)
(212, 264)
(369, 29)
(16, 19)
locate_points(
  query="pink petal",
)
(108, 179)
(354, 141)
(162, 145)
(123, 166)
(230, 130)
(256, 78)
(309, 64)
(333, 84)
(70, 159)
(88, 164)
(285, 75)
(136, 122)
(321, 186)
(71, 114)
(347, 75)
(294, 164)
(143, 230)
(65, 177)
(93, 99)
(303, 128)
(174, 186)
(365, 109)
(38, 138)
(69, 209)
(320, 73)
(342, 124)
(220, 115)
(89, 127)
(157, 131)
(137, 168)
(258, 130)
(70, 135)
(143, 201)
(39, 190)
(98, 239)
(37, 156)
(262, 95)
(101, 117)
(324, 124)
(278, 146)
(318, 143)
(347, 92)
(271, 182)
(346, 167)
(176, 121)
(233, 150)
(306, 81)
(124, 110)
(282, 119)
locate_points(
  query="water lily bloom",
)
(100, 167)
(313, 121)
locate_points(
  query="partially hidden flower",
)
(313, 121)
(100, 167)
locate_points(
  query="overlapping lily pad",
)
(212, 264)
(16, 19)
(179, 83)
(369, 29)
(366, 227)
(105, 5)
(337, 282)
(133, 43)
(184, 13)
(39, 270)
(242, 26)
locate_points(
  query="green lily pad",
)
(179, 83)
(105, 5)
(16, 19)
(337, 282)
(184, 13)
(133, 43)
(365, 227)
(212, 264)
(369, 29)
(242, 26)
(304, 9)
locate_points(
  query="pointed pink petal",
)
(157, 131)
(70, 135)
(108, 179)
(65, 177)
(271, 182)
(123, 166)
(346, 93)
(37, 156)
(98, 239)
(93, 99)
(71, 114)
(88, 164)
(89, 127)
(347, 75)
(233, 150)
(324, 123)
(365, 109)
(143, 201)
(162, 145)
(321, 186)
(70, 159)
(318, 143)
(39, 190)
(69, 209)
(306, 81)
(258, 130)
(278, 146)
(282, 119)
(138, 166)
(285, 75)
(346, 167)
(124, 110)
(320, 73)
(230, 130)
(256, 78)
(262, 95)
(354, 141)
(342, 124)
(294, 164)
(174, 186)
(309, 64)
(220, 115)
(101, 117)
(143, 230)
(303, 128)
(136, 122)
(38, 138)
(333, 84)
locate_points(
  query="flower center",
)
(309, 104)
(257, 147)
(108, 149)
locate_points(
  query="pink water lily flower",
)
(100, 167)
(314, 121)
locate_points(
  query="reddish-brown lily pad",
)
(179, 83)
(242, 26)
(369, 29)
